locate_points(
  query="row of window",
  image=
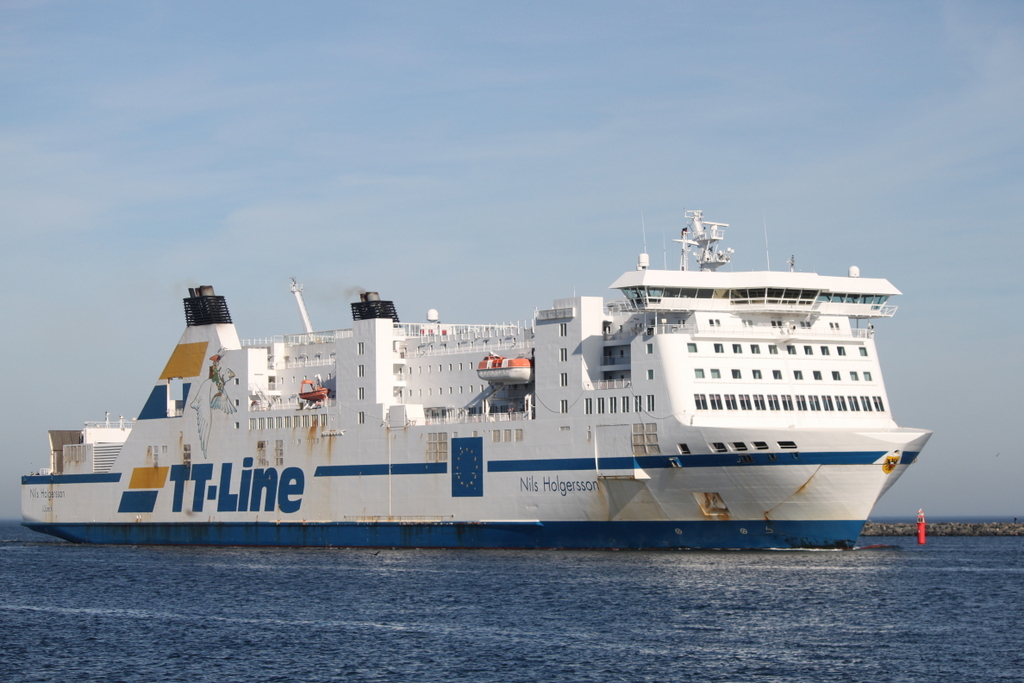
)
(612, 404)
(440, 390)
(740, 446)
(773, 349)
(305, 420)
(777, 374)
(787, 402)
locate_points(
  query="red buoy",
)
(920, 527)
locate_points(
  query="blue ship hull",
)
(521, 535)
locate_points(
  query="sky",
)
(486, 158)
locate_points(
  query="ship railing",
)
(759, 331)
(563, 313)
(120, 423)
(461, 332)
(309, 363)
(485, 346)
(308, 338)
(293, 403)
(608, 384)
(616, 360)
(478, 419)
(621, 306)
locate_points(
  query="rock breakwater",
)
(945, 529)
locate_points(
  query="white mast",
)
(297, 291)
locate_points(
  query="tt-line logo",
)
(262, 488)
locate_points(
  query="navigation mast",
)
(705, 235)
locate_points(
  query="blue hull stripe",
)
(909, 457)
(372, 470)
(706, 460)
(750, 534)
(102, 478)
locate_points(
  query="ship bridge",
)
(758, 291)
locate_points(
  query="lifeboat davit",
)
(501, 370)
(312, 392)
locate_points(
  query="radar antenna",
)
(297, 291)
(704, 235)
(792, 263)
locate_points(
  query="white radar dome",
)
(643, 262)
(432, 315)
(854, 271)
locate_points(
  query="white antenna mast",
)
(297, 291)
(767, 256)
(644, 228)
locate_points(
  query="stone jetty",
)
(945, 529)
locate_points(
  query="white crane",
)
(297, 291)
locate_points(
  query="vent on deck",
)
(370, 306)
(203, 307)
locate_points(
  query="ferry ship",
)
(700, 408)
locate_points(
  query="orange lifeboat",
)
(501, 370)
(312, 392)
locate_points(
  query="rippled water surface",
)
(948, 611)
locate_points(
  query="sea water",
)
(947, 611)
